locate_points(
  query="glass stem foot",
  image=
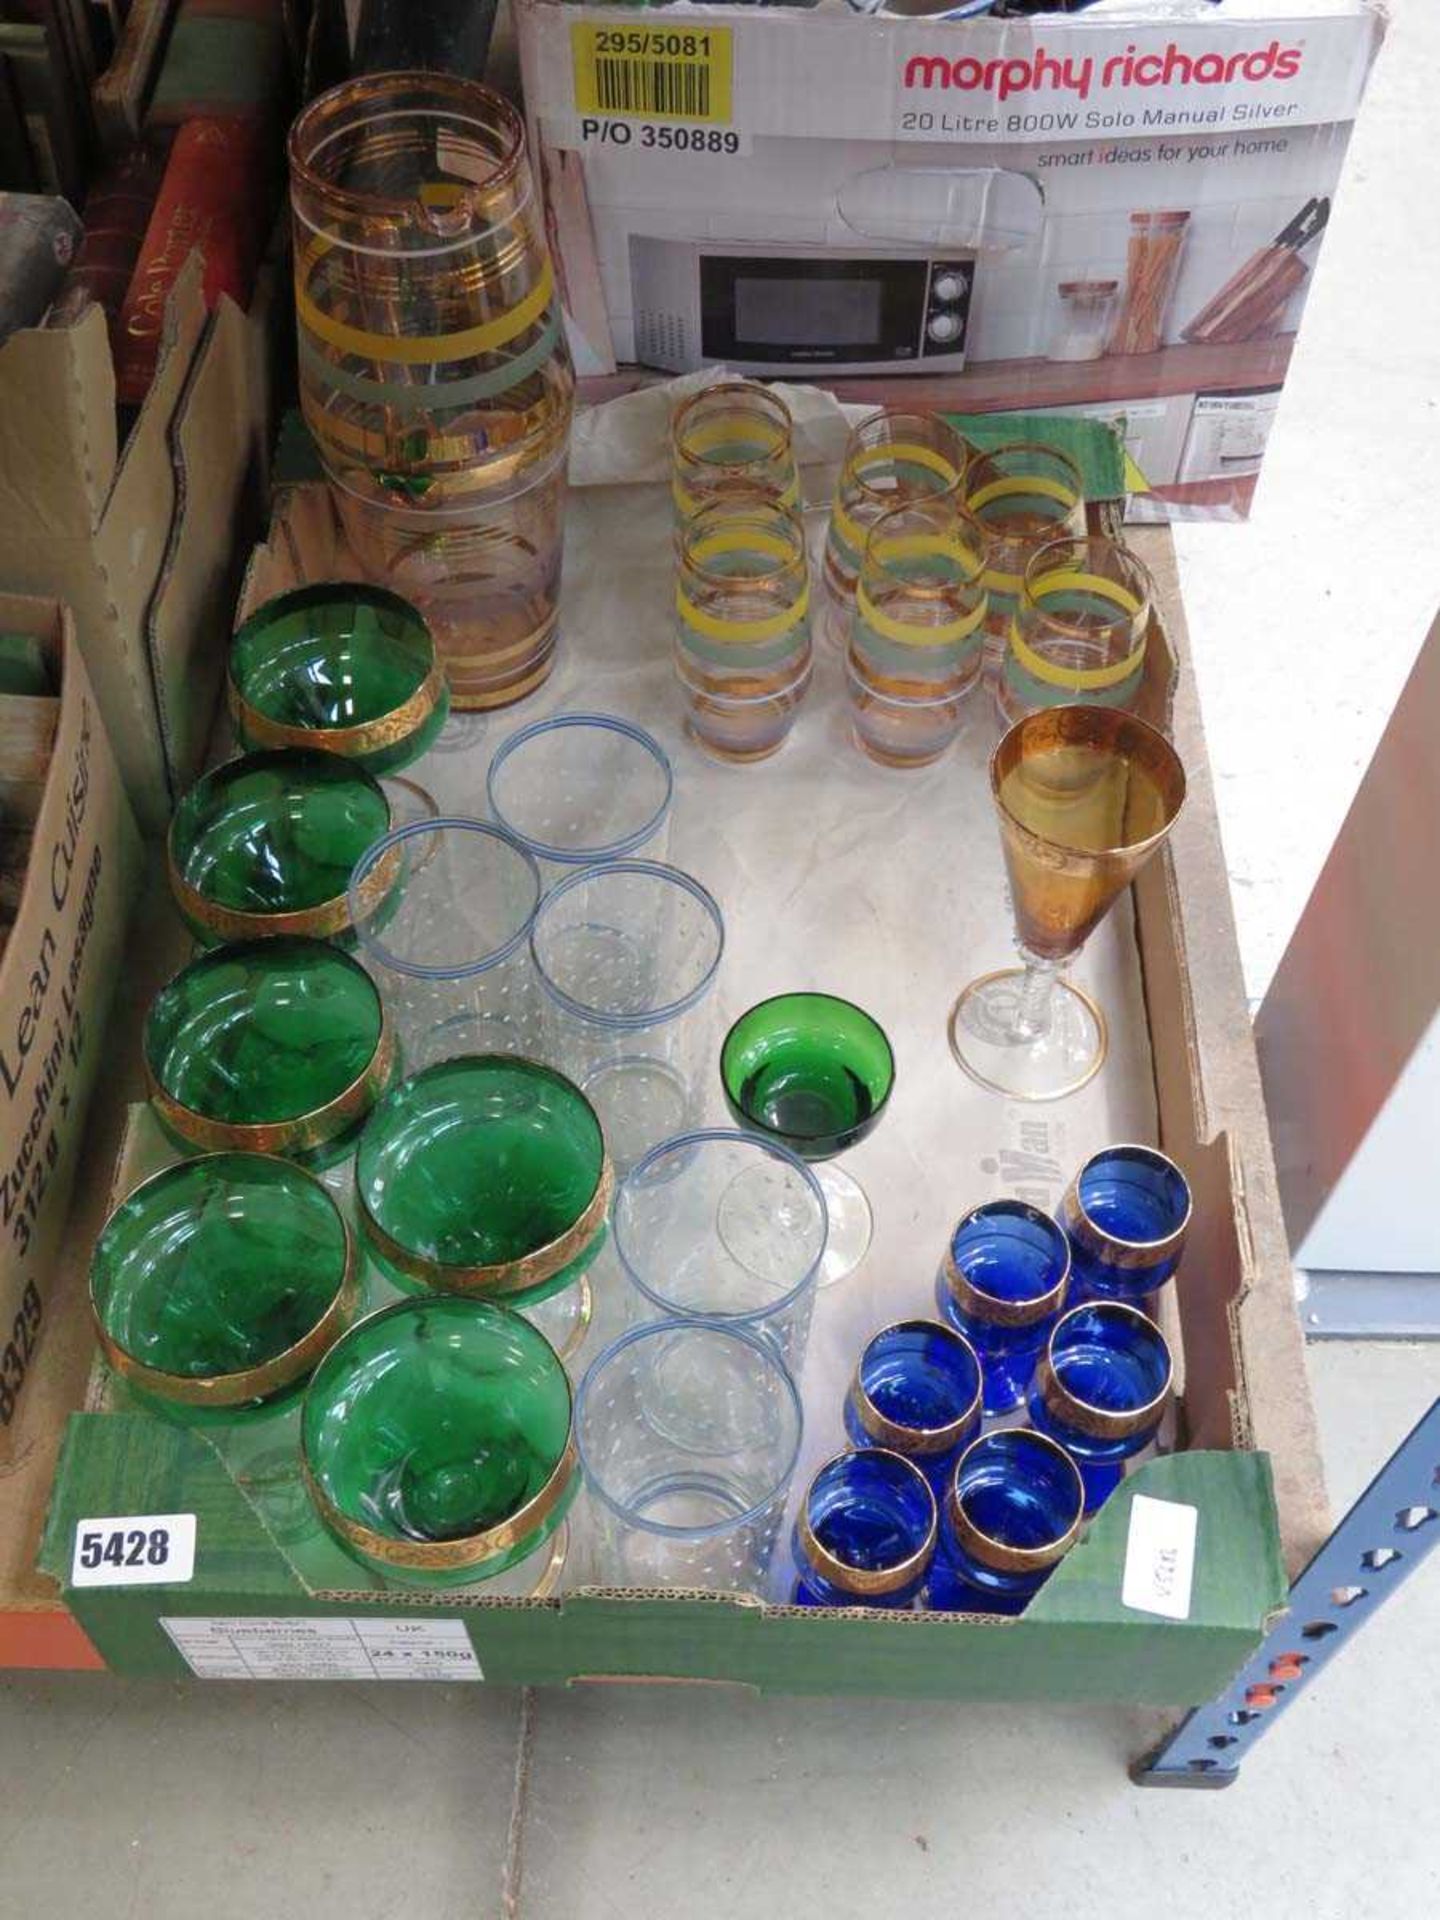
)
(851, 1223)
(1028, 1033)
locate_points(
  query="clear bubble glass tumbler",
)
(724, 1226)
(688, 1434)
(446, 941)
(581, 788)
(626, 954)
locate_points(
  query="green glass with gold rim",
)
(437, 1441)
(216, 1287)
(348, 668)
(486, 1175)
(270, 1046)
(815, 1073)
(218, 1284)
(266, 844)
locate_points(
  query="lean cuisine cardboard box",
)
(1117, 217)
(60, 962)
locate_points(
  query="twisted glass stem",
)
(1034, 1002)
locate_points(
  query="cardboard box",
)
(899, 202)
(57, 974)
(271, 1595)
(144, 540)
(1349, 1030)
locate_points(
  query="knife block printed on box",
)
(104, 526)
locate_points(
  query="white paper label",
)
(134, 1550)
(239, 1647)
(1160, 1557)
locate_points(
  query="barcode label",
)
(653, 73)
(661, 89)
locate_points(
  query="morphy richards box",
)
(267, 1595)
(74, 859)
(1103, 214)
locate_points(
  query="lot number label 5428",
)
(134, 1550)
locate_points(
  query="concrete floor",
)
(238, 1802)
(377, 1803)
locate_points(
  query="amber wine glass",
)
(1084, 795)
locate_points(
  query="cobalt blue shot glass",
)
(864, 1534)
(916, 1391)
(1010, 1515)
(1101, 1390)
(1126, 1213)
(1002, 1283)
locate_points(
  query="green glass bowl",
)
(269, 1046)
(809, 1070)
(222, 1282)
(437, 1440)
(348, 668)
(485, 1175)
(266, 845)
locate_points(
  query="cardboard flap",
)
(140, 507)
(1234, 1585)
(57, 429)
(131, 1463)
(305, 546)
(217, 484)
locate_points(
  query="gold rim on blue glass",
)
(891, 1435)
(869, 1581)
(999, 1555)
(1067, 1409)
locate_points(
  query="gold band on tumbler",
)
(320, 922)
(251, 1383)
(1098, 1423)
(449, 1556)
(1124, 1255)
(890, 454)
(891, 1435)
(504, 1277)
(1003, 1313)
(297, 1135)
(867, 1581)
(368, 736)
(998, 1554)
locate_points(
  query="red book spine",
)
(117, 212)
(214, 196)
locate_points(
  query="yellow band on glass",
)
(1006, 583)
(910, 634)
(741, 632)
(902, 453)
(1022, 483)
(906, 453)
(919, 546)
(1074, 581)
(689, 504)
(745, 540)
(414, 350)
(1076, 679)
(715, 433)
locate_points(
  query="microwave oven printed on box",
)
(1059, 213)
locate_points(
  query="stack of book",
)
(160, 122)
